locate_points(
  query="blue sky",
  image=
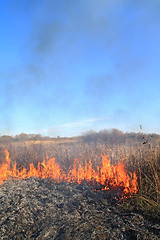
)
(69, 66)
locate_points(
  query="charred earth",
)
(43, 209)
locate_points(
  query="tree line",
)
(111, 137)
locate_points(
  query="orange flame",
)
(109, 176)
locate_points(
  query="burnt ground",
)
(41, 209)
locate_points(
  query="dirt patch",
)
(42, 209)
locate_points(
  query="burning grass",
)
(108, 176)
(141, 159)
(77, 194)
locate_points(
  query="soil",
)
(43, 209)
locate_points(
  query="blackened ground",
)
(41, 209)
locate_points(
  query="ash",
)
(42, 209)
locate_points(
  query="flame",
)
(109, 176)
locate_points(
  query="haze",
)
(70, 66)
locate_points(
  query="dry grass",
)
(146, 161)
(143, 159)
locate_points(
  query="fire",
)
(109, 176)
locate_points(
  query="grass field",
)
(142, 159)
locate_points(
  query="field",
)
(141, 158)
(41, 208)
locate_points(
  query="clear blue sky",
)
(67, 66)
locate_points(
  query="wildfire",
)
(107, 175)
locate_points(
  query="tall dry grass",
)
(143, 159)
(146, 161)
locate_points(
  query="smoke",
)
(79, 59)
(99, 90)
(44, 37)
